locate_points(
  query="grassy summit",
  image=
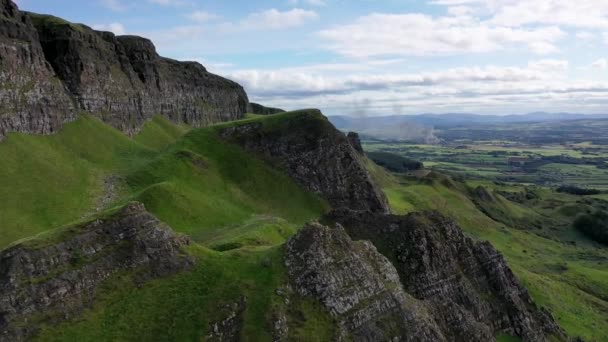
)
(195, 182)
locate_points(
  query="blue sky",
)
(369, 57)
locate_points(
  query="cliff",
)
(466, 287)
(263, 110)
(32, 98)
(315, 154)
(358, 286)
(54, 69)
(54, 278)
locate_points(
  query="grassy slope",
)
(197, 184)
(182, 308)
(228, 200)
(571, 281)
(221, 196)
(48, 181)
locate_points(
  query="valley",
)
(508, 192)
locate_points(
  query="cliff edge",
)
(51, 69)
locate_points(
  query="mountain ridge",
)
(53, 70)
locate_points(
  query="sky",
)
(366, 57)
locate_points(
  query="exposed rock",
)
(262, 110)
(355, 142)
(46, 281)
(358, 286)
(229, 328)
(314, 153)
(467, 286)
(32, 98)
(50, 69)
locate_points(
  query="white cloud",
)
(319, 3)
(202, 16)
(171, 2)
(512, 13)
(585, 36)
(549, 65)
(421, 35)
(601, 64)
(274, 19)
(175, 35)
(116, 28)
(114, 5)
(302, 82)
(541, 85)
(605, 36)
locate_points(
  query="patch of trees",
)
(573, 161)
(395, 163)
(574, 190)
(593, 225)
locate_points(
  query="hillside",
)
(139, 201)
(563, 270)
(238, 208)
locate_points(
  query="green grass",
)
(49, 181)
(570, 280)
(183, 307)
(195, 182)
(159, 133)
(507, 338)
(213, 191)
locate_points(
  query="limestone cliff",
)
(465, 287)
(263, 110)
(32, 98)
(314, 153)
(358, 286)
(51, 69)
(54, 278)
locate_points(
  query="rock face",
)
(315, 154)
(229, 328)
(466, 286)
(263, 110)
(32, 98)
(355, 142)
(358, 286)
(52, 68)
(49, 281)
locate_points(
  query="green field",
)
(551, 165)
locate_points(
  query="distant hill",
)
(455, 119)
(422, 128)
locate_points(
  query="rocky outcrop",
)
(32, 98)
(358, 286)
(46, 281)
(263, 110)
(315, 154)
(466, 286)
(51, 68)
(355, 142)
(229, 328)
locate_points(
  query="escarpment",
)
(313, 152)
(358, 286)
(263, 110)
(51, 69)
(55, 277)
(466, 287)
(32, 97)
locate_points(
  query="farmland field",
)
(543, 154)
